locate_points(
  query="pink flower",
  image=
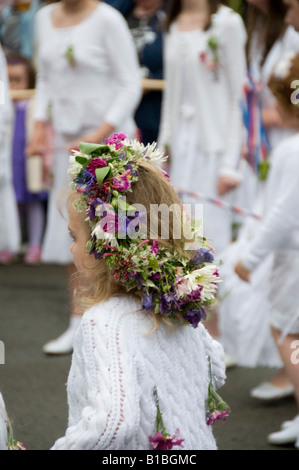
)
(121, 182)
(109, 223)
(181, 288)
(161, 442)
(94, 164)
(155, 247)
(116, 140)
(217, 415)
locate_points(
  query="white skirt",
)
(57, 241)
(10, 234)
(193, 170)
(283, 294)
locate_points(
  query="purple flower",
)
(194, 316)
(92, 208)
(168, 303)
(85, 181)
(161, 442)
(203, 256)
(147, 301)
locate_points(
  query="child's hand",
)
(226, 184)
(242, 272)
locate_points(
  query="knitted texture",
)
(116, 365)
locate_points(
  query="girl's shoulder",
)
(112, 309)
(228, 17)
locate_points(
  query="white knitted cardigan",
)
(116, 365)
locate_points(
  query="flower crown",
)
(283, 66)
(171, 284)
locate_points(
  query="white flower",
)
(148, 153)
(100, 234)
(207, 278)
(283, 66)
(74, 167)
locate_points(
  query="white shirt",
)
(103, 84)
(116, 365)
(280, 229)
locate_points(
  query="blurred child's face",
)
(292, 16)
(80, 234)
(18, 77)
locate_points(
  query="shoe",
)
(64, 343)
(286, 424)
(33, 255)
(266, 391)
(290, 435)
(7, 257)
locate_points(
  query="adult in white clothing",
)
(9, 224)
(244, 310)
(201, 124)
(88, 80)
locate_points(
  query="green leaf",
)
(264, 170)
(101, 174)
(81, 160)
(88, 148)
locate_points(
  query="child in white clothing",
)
(9, 225)
(279, 234)
(140, 350)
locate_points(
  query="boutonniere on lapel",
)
(210, 57)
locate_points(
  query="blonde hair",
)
(151, 188)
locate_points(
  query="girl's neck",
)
(192, 6)
(76, 7)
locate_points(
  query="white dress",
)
(244, 311)
(279, 234)
(98, 83)
(9, 219)
(115, 366)
(201, 115)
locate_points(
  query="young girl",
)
(135, 362)
(244, 336)
(201, 123)
(9, 223)
(31, 206)
(279, 234)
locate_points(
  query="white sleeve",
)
(124, 61)
(234, 63)
(106, 369)
(282, 218)
(42, 99)
(215, 352)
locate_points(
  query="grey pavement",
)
(34, 308)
